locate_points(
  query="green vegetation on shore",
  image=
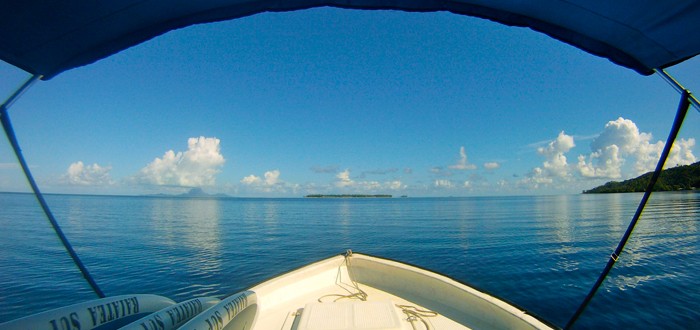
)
(348, 196)
(685, 177)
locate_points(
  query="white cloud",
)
(492, 165)
(251, 180)
(344, 179)
(620, 150)
(270, 182)
(443, 184)
(195, 167)
(605, 163)
(271, 178)
(682, 153)
(555, 164)
(622, 133)
(622, 140)
(87, 175)
(395, 185)
(462, 163)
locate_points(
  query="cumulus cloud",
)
(682, 153)
(462, 163)
(492, 165)
(87, 175)
(270, 182)
(556, 164)
(343, 180)
(251, 180)
(603, 163)
(622, 140)
(443, 184)
(439, 170)
(620, 150)
(195, 167)
(535, 179)
(395, 185)
(271, 179)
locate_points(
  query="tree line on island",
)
(347, 196)
(686, 177)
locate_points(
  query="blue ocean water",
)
(542, 253)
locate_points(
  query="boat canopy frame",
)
(50, 38)
(12, 138)
(65, 39)
(687, 99)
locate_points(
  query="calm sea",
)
(542, 253)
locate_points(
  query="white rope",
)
(354, 292)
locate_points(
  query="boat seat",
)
(350, 315)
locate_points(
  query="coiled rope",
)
(358, 294)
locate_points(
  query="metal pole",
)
(677, 123)
(12, 138)
(10, 100)
(678, 87)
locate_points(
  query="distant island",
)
(685, 177)
(347, 196)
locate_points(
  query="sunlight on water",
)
(542, 253)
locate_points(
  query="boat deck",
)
(290, 316)
(363, 292)
(345, 292)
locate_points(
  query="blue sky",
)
(343, 101)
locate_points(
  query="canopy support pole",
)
(9, 132)
(678, 87)
(677, 123)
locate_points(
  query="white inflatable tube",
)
(99, 313)
(239, 308)
(173, 316)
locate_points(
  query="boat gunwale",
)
(471, 286)
(440, 276)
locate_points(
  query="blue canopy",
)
(49, 37)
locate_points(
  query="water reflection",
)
(270, 220)
(187, 235)
(344, 214)
(540, 252)
(557, 217)
(665, 237)
(75, 212)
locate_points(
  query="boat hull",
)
(357, 291)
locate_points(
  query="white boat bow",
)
(356, 291)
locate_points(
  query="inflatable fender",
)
(105, 313)
(221, 315)
(173, 316)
